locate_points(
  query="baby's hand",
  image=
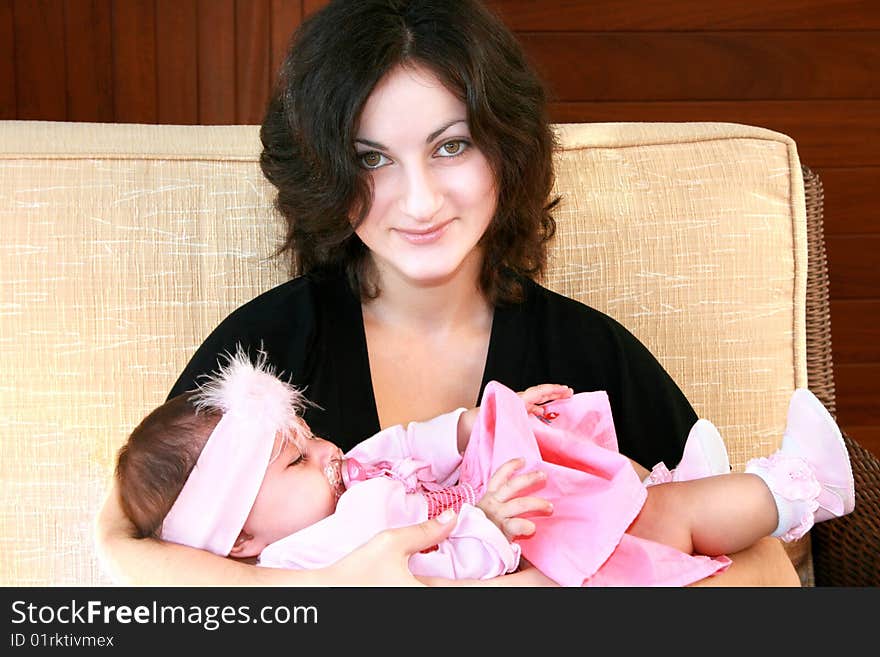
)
(503, 505)
(532, 398)
(541, 394)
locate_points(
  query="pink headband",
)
(217, 497)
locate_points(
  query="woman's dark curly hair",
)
(335, 59)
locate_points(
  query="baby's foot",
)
(704, 455)
(810, 475)
(813, 435)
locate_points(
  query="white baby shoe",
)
(810, 476)
(704, 455)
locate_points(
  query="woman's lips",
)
(428, 236)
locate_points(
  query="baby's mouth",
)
(333, 472)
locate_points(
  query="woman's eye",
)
(372, 160)
(453, 148)
(301, 458)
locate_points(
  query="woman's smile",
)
(426, 235)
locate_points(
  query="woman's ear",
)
(245, 546)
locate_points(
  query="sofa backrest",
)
(124, 245)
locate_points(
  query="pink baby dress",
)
(594, 490)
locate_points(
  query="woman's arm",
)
(525, 577)
(382, 561)
(764, 564)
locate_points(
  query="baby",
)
(232, 468)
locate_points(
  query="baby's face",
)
(296, 492)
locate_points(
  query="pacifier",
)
(334, 473)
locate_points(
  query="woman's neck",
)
(454, 303)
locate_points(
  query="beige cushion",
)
(694, 237)
(124, 245)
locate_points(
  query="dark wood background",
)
(807, 68)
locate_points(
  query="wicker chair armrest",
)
(846, 551)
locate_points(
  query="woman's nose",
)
(422, 196)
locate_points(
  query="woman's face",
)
(434, 193)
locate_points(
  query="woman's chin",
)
(438, 271)
(430, 270)
(432, 277)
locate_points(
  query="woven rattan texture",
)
(846, 551)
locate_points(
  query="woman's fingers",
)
(383, 560)
(415, 538)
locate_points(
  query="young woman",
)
(412, 153)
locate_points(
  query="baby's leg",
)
(808, 480)
(711, 516)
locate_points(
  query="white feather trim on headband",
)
(254, 390)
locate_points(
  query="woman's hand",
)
(505, 500)
(383, 560)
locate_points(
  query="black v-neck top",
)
(312, 331)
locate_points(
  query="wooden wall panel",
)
(850, 199)
(868, 436)
(664, 15)
(857, 392)
(8, 108)
(134, 61)
(216, 62)
(88, 40)
(252, 59)
(311, 6)
(828, 132)
(40, 61)
(853, 266)
(286, 17)
(177, 50)
(707, 65)
(855, 326)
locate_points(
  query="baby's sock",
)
(810, 476)
(795, 490)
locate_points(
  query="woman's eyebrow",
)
(431, 137)
(439, 132)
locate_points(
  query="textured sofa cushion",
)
(694, 237)
(124, 245)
